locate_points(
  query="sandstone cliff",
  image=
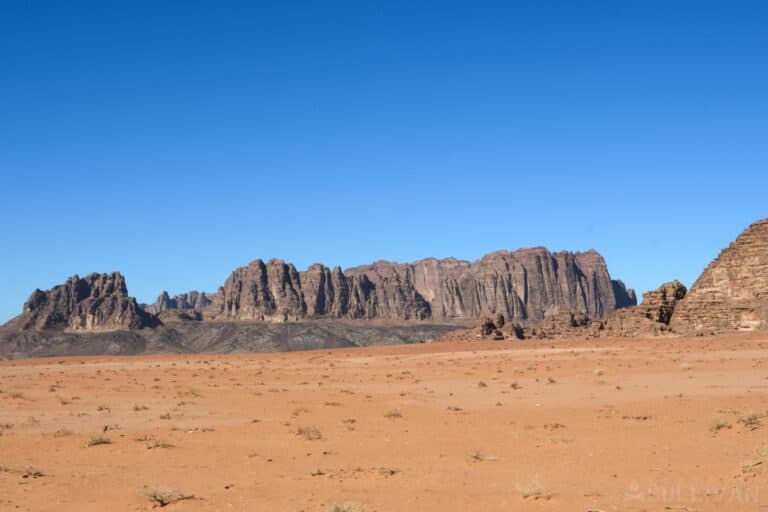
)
(528, 284)
(732, 292)
(96, 302)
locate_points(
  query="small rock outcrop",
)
(651, 318)
(732, 292)
(96, 302)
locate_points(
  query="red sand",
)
(629, 425)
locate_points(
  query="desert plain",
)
(601, 425)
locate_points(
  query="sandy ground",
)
(675, 424)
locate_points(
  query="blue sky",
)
(176, 143)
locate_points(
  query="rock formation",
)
(96, 302)
(732, 292)
(192, 300)
(524, 285)
(650, 318)
(528, 284)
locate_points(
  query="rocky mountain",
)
(273, 306)
(96, 302)
(528, 284)
(732, 292)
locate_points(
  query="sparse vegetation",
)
(159, 444)
(752, 467)
(639, 417)
(99, 440)
(535, 490)
(30, 472)
(394, 413)
(345, 507)
(164, 496)
(309, 433)
(478, 456)
(752, 422)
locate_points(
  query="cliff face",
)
(732, 292)
(96, 302)
(528, 284)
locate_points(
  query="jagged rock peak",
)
(96, 302)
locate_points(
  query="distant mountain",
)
(96, 302)
(527, 284)
(272, 306)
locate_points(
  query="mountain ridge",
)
(525, 284)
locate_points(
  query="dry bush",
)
(478, 456)
(159, 444)
(535, 490)
(98, 440)
(309, 433)
(752, 422)
(164, 496)
(345, 507)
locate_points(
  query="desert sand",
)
(608, 425)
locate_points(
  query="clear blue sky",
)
(176, 143)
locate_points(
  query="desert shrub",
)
(309, 433)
